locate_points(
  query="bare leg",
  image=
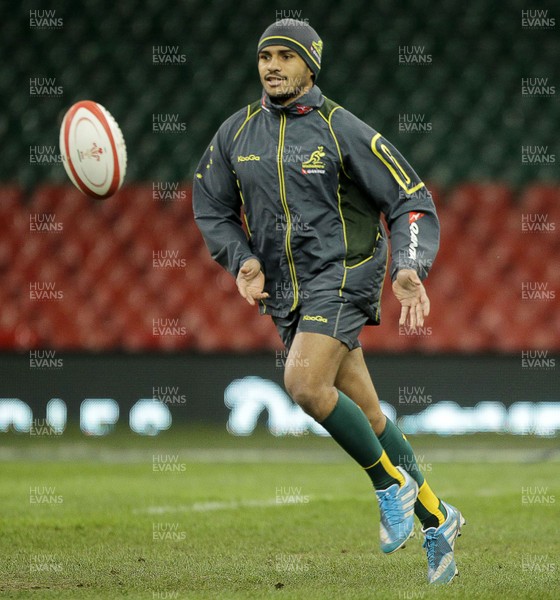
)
(311, 367)
(354, 380)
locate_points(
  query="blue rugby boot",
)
(439, 544)
(396, 505)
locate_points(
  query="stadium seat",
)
(102, 260)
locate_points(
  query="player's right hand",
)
(250, 281)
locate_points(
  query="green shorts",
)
(328, 314)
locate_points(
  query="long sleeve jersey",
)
(309, 180)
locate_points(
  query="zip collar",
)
(305, 104)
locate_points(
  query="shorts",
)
(328, 314)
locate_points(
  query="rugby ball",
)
(93, 149)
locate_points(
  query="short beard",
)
(280, 98)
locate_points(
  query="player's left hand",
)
(411, 293)
(250, 281)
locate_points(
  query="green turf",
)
(260, 517)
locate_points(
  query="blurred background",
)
(135, 313)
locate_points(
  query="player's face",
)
(284, 74)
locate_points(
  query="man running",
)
(309, 180)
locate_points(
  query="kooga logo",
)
(247, 158)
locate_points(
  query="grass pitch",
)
(200, 514)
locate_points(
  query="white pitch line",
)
(85, 453)
(81, 452)
(211, 506)
(295, 500)
(273, 502)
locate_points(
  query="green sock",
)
(428, 508)
(350, 428)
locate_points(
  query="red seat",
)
(102, 261)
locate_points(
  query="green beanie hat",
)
(297, 35)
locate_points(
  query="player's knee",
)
(298, 389)
(307, 395)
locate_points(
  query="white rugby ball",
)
(93, 149)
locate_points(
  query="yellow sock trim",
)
(389, 468)
(430, 501)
